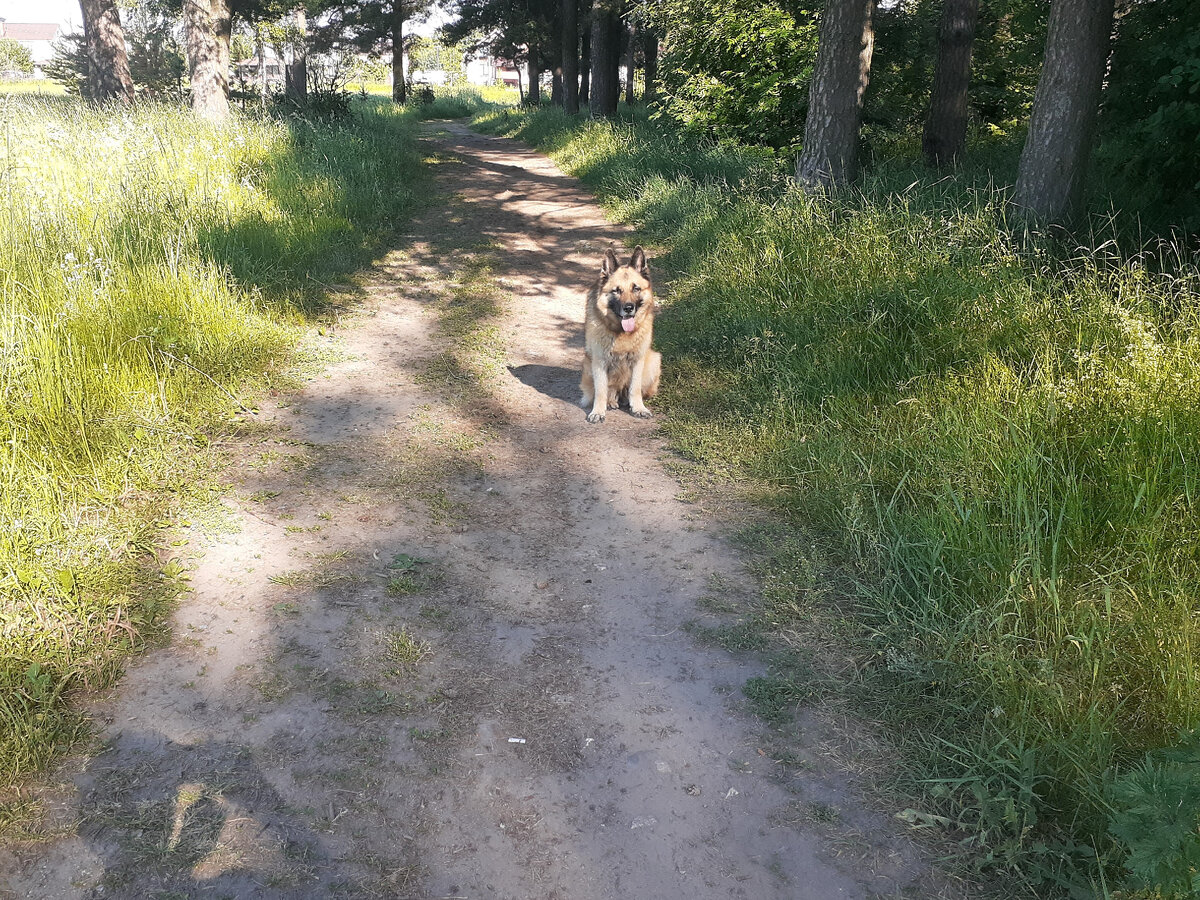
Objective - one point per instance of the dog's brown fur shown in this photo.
(619, 365)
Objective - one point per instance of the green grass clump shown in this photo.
(997, 448)
(151, 268)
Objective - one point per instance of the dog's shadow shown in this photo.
(556, 382)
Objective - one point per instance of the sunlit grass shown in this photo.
(33, 86)
(995, 450)
(153, 270)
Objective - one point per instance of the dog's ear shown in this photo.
(638, 261)
(610, 263)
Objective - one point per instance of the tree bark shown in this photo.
(223, 28)
(556, 87)
(533, 95)
(296, 82)
(399, 82)
(945, 136)
(570, 55)
(845, 39)
(1054, 160)
(108, 72)
(630, 63)
(650, 51)
(260, 46)
(210, 82)
(606, 58)
(585, 67)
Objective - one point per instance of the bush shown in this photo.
(15, 58)
(1151, 113)
(1156, 815)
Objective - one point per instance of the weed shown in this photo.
(405, 651)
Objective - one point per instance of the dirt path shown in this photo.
(442, 651)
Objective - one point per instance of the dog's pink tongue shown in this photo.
(628, 324)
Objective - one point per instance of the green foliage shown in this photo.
(1005, 65)
(432, 55)
(1156, 815)
(15, 58)
(1007, 59)
(994, 449)
(156, 60)
(69, 65)
(153, 267)
(1151, 113)
(737, 70)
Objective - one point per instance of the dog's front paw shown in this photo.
(595, 418)
(642, 413)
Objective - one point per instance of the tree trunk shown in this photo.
(585, 67)
(829, 156)
(945, 136)
(630, 63)
(1054, 161)
(650, 51)
(223, 28)
(556, 87)
(399, 83)
(108, 69)
(296, 82)
(533, 95)
(260, 46)
(210, 82)
(606, 59)
(570, 55)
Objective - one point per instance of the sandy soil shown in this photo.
(442, 653)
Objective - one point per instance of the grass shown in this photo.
(155, 272)
(33, 86)
(988, 447)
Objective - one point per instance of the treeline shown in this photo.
(823, 79)
(101, 66)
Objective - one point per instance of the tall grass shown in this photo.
(997, 448)
(151, 267)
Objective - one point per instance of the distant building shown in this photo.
(248, 73)
(38, 37)
(490, 70)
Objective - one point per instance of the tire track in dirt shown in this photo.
(433, 554)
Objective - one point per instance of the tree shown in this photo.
(569, 29)
(208, 27)
(606, 57)
(296, 73)
(370, 26)
(650, 54)
(585, 65)
(15, 58)
(829, 155)
(504, 29)
(945, 135)
(1054, 160)
(1150, 115)
(630, 33)
(156, 59)
(736, 70)
(109, 71)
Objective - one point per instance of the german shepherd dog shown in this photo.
(619, 367)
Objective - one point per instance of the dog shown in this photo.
(619, 368)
